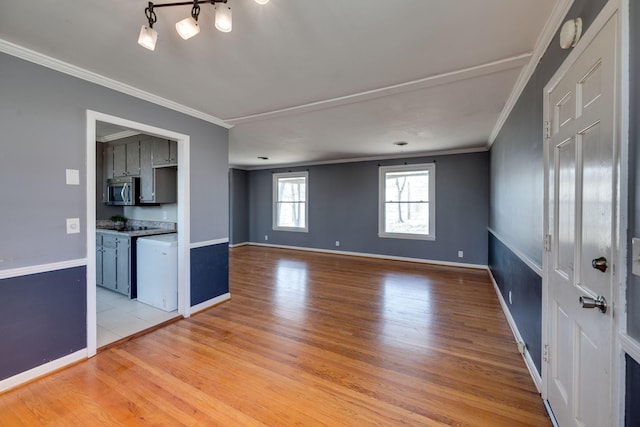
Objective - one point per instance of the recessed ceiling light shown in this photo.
(401, 143)
(263, 158)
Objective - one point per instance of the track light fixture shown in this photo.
(188, 27)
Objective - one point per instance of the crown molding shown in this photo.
(424, 83)
(544, 39)
(365, 159)
(90, 76)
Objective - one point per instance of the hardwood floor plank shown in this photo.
(307, 339)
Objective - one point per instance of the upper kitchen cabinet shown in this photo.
(165, 153)
(157, 184)
(122, 160)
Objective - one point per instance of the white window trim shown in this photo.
(274, 201)
(383, 170)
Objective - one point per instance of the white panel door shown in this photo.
(582, 179)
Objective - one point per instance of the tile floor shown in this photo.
(119, 317)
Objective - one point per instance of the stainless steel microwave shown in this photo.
(123, 191)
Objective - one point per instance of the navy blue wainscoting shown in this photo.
(209, 272)
(43, 317)
(632, 412)
(512, 274)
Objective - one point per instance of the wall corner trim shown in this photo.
(42, 370)
(630, 346)
(42, 268)
(90, 76)
(530, 263)
(533, 371)
(546, 36)
(210, 303)
(205, 243)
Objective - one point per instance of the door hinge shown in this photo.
(547, 242)
(545, 353)
(547, 129)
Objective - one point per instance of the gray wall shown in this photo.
(516, 155)
(343, 205)
(43, 122)
(239, 206)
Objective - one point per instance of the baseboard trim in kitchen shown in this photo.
(42, 268)
(42, 370)
(210, 303)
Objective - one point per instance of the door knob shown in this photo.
(600, 264)
(600, 302)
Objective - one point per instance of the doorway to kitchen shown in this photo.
(131, 228)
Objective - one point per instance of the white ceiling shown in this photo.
(308, 80)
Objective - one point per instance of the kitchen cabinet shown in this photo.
(113, 263)
(165, 152)
(122, 160)
(157, 184)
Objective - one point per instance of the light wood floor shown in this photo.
(307, 339)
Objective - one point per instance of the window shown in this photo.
(407, 201)
(290, 202)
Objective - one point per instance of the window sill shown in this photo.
(406, 236)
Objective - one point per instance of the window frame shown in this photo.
(382, 173)
(274, 201)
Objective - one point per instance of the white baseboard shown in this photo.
(210, 303)
(237, 245)
(533, 371)
(42, 370)
(377, 256)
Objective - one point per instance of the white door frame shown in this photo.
(184, 263)
(620, 237)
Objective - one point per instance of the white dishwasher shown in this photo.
(157, 260)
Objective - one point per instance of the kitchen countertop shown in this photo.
(136, 233)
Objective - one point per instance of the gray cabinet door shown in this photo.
(119, 160)
(165, 152)
(133, 158)
(146, 171)
(122, 268)
(108, 162)
(98, 259)
(173, 153)
(109, 277)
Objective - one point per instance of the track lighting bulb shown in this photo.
(223, 17)
(187, 28)
(148, 37)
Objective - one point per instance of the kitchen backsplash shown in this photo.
(167, 212)
(164, 225)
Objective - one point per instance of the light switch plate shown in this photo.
(73, 225)
(73, 177)
(635, 256)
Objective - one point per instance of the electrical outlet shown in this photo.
(460, 254)
(73, 225)
(266, 237)
(510, 300)
(337, 242)
(165, 215)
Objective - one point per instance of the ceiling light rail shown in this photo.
(187, 27)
